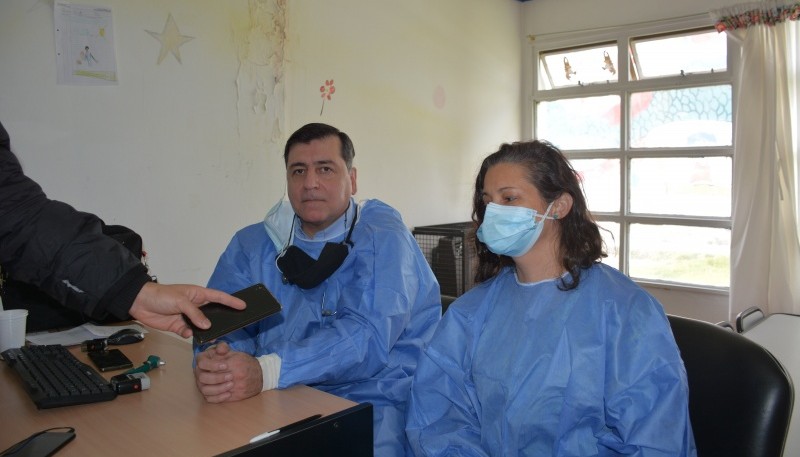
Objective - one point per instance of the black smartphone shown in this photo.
(110, 360)
(41, 444)
(260, 304)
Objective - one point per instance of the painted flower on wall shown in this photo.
(325, 92)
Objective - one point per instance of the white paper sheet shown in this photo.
(84, 44)
(78, 335)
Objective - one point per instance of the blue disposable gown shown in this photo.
(528, 369)
(381, 306)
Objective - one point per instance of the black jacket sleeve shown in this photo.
(60, 250)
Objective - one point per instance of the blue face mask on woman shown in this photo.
(511, 230)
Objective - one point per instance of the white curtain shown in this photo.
(765, 243)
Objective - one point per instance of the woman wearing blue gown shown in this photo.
(553, 353)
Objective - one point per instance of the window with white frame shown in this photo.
(646, 117)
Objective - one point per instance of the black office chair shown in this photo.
(446, 300)
(740, 396)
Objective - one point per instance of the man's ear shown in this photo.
(562, 206)
(352, 172)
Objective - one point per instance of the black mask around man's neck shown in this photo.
(301, 269)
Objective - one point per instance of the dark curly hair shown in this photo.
(581, 244)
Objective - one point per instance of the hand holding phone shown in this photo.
(224, 319)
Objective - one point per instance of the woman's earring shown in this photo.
(555, 216)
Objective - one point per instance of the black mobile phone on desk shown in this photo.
(110, 360)
(42, 444)
(224, 319)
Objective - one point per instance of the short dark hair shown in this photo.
(317, 131)
(581, 244)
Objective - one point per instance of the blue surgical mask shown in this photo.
(511, 230)
(278, 223)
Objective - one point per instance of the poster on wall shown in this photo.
(84, 45)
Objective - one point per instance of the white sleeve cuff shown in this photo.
(270, 370)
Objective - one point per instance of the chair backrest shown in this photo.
(740, 396)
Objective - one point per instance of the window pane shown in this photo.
(698, 116)
(578, 66)
(580, 123)
(610, 233)
(681, 186)
(694, 255)
(600, 179)
(700, 52)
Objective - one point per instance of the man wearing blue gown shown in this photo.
(359, 299)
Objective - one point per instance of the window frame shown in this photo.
(623, 87)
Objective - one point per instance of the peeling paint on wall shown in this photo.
(261, 45)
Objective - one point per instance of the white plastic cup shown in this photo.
(12, 328)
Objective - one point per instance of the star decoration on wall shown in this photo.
(171, 39)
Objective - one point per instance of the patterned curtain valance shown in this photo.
(752, 14)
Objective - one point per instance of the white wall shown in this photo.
(554, 16)
(187, 153)
(425, 88)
